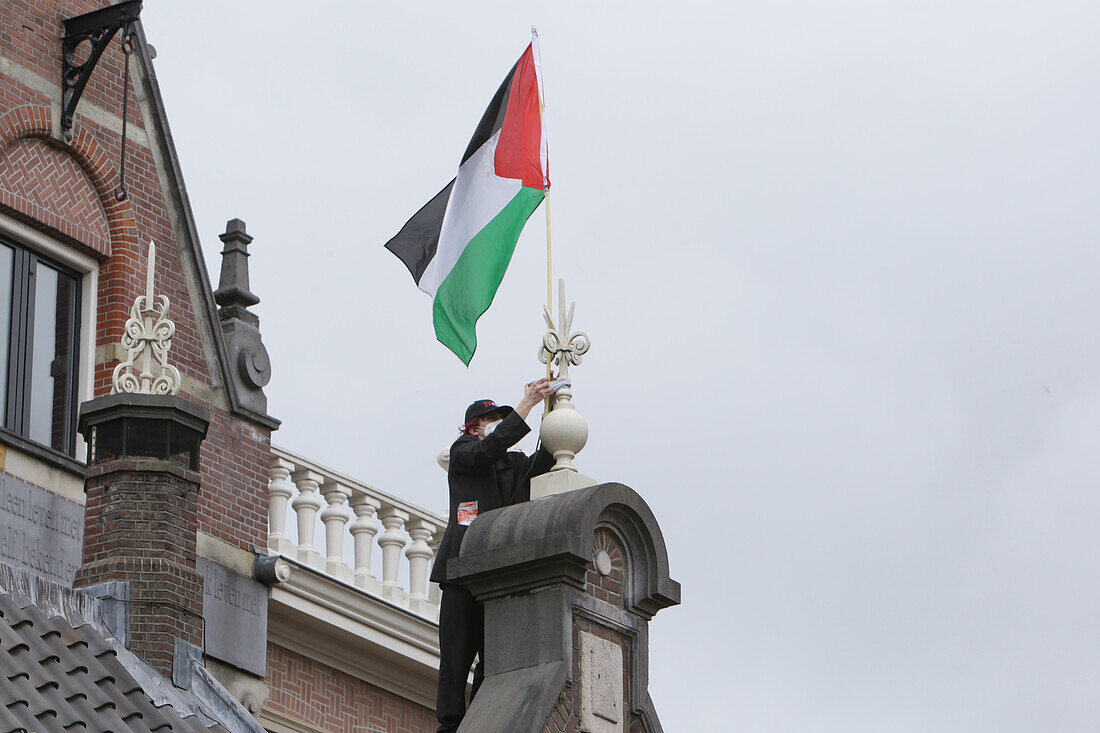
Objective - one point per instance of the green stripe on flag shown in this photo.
(469, 288)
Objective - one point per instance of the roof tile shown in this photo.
(57, 677)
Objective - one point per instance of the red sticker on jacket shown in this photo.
(467, 512)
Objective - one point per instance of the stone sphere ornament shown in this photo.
(564, 432)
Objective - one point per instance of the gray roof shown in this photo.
(61, 672)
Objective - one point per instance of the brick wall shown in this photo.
(46, 185)
(139, 527)
(235, 459)
(67, 190)
(333, 701)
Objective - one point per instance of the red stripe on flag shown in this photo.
(517, 154)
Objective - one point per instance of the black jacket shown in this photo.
(485, 471)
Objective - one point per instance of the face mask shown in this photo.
(488, 429)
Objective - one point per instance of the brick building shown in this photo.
(163, 566)
(74, 235)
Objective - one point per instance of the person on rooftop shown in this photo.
(482, 475)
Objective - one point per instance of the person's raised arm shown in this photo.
(468, 454)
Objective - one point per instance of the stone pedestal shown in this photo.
(141, 515)
(569, 584)
(558, 482)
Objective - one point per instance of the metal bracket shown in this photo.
(97, 28)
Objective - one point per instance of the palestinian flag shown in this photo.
(459, 244)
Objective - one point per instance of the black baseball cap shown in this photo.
(484, 407)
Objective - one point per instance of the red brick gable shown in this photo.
(67, 190)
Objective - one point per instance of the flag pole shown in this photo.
(546, 193)
(549, 271)
(549, 297)
(545, 183)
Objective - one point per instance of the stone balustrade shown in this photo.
(353, 516)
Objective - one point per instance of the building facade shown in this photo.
(316, 613)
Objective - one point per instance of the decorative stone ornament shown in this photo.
(558, 345)
(240, 326)
(147, 337)
(564, 431)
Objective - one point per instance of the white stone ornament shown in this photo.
(147, 337)
(558, 345)
(564, 432)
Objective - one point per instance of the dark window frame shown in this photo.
(15, 417)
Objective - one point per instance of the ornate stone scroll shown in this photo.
(147, 337)
(559, 346)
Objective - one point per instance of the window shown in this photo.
(39, 332)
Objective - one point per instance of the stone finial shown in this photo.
(147, 337)
(564, 432)
(233, 294)
(240, 326)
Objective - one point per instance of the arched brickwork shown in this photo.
(607, 582)
(45, 185)
(30, 125)
(30, 122)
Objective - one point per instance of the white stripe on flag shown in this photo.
(479, 194)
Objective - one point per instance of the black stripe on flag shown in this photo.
(416, 243)
(493, 118)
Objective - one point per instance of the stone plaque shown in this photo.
(40, 531)
(234, 609)
(601, 708)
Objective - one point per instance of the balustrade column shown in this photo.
(392, 540)
(363, 530)
(279, 492)
(306, 505)
(419, 553)
(335, 516)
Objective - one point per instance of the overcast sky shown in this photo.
(838, 262)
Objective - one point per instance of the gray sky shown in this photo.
(838, 262)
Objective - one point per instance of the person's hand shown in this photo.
(536, 392)
(533, 394)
